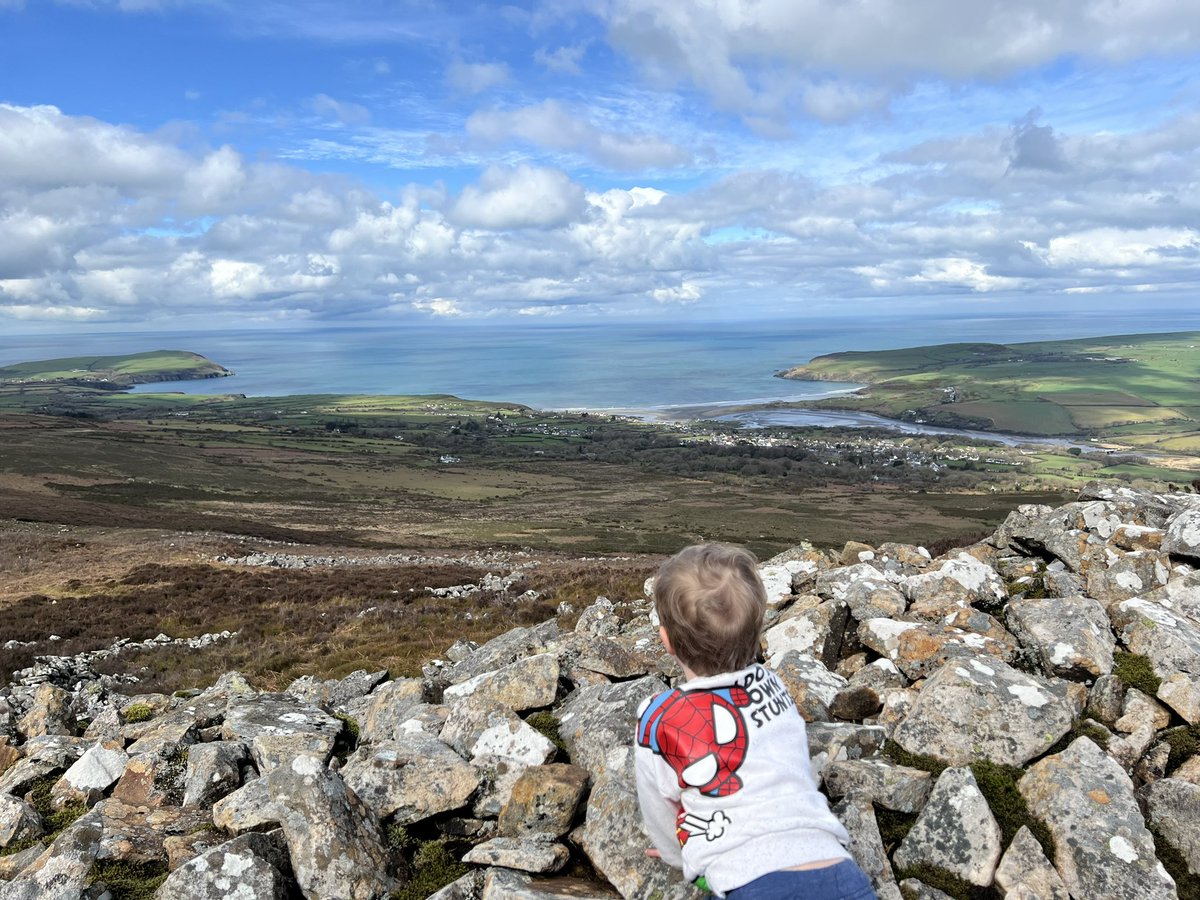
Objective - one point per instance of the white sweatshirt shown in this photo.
(725, 783)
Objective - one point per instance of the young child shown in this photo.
(723, 773)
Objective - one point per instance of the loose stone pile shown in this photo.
(1020, 717)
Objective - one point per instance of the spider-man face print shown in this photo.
(701, 735)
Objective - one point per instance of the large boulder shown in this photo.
(1103, 848)
(955, 831)
(1071, 636)
(972, 709)
(595, 720)
(410, 779)
(249, 867)
(334, 840)
(1171, 642)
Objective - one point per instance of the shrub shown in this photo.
(138, 712)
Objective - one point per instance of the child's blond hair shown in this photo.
(711, 601)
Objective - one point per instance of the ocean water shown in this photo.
(643, 367)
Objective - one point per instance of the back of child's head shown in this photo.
(711, 601)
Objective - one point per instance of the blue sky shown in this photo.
(205, 163)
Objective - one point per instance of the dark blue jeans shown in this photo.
(844, 881)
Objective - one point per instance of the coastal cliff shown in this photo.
(1016, 718)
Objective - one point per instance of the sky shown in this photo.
(260, 163)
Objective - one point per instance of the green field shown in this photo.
(114, 371)
(1140, 390)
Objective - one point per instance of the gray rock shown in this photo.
(334, 840)
(469, 887)
(528, 854)
(335, 695)
(49, 714)
(18, 821)
(866, 845)
(136, 833)
(43, 755)
(833, 584)
(886, 784)
(213, 770)
(525, 684)
(544, 801)
(599, 619)
(1183, 534)
(1122, 575)
(249, 808)
(506, 884)
(959, 582)
(1071, 635)
(165, 735)
(1106, 699)
(502, 650)
(874, 598)
(278, 729)
(817, 631)
(90, 775)
(1172, 644)
(978, 709)
(62, 870)
(613, 839)
(1173, 808)
(594, 720)
(1024, 872)
(956, 831)
(387, 707)
(410, 779)
(1103, 847)
(249, 867)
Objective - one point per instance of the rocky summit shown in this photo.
(1016, 719)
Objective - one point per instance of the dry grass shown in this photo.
(292, 622)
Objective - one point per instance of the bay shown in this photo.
(628, 367)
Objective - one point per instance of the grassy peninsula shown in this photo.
(113, 372)
(1139, 390)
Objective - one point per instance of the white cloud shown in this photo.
(1122, 248)
(551, 125)
(523, 197)
(439, 306)
(688, 292)
(752, 58)
(565, 59)
(340, 111)
(475, 78)
(958, 272)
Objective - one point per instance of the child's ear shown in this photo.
(666, 641)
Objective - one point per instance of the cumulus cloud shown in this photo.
(551, 125)
(1036, 146)
(475, 78)
(565, 59)
(523, 197)
(744, 54)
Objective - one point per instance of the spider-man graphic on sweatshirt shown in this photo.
(725, 783)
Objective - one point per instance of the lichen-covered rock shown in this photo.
(151, 780)
(1170, 641)
(335, 695)
(18, 821)
(528, 854)
(213, 770)
(955, 831)
(525, 684)
(595, 719)
(49, 714)
(1183, 534)
(874, 598)
(278, 730)
(926, 646)
(1173, 809)
(61, 871)
(1024, 872)
(164, 736)
(504, 749)
(866, 845)
(506, 884)
(136, 833)
(410, 779)
(807, 680)
(90, 775)
(249, 867)
(544, 801)
(971, 709)
(249, 808)
(387, 707)
(1123, 575)
(817, 631)
(43, 755)
(959, 582)
(502, 650)
(1071, 635)
(334, 840)
(613, 839)
(1103, 847)
(886, 784)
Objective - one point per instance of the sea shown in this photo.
(653, 369)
